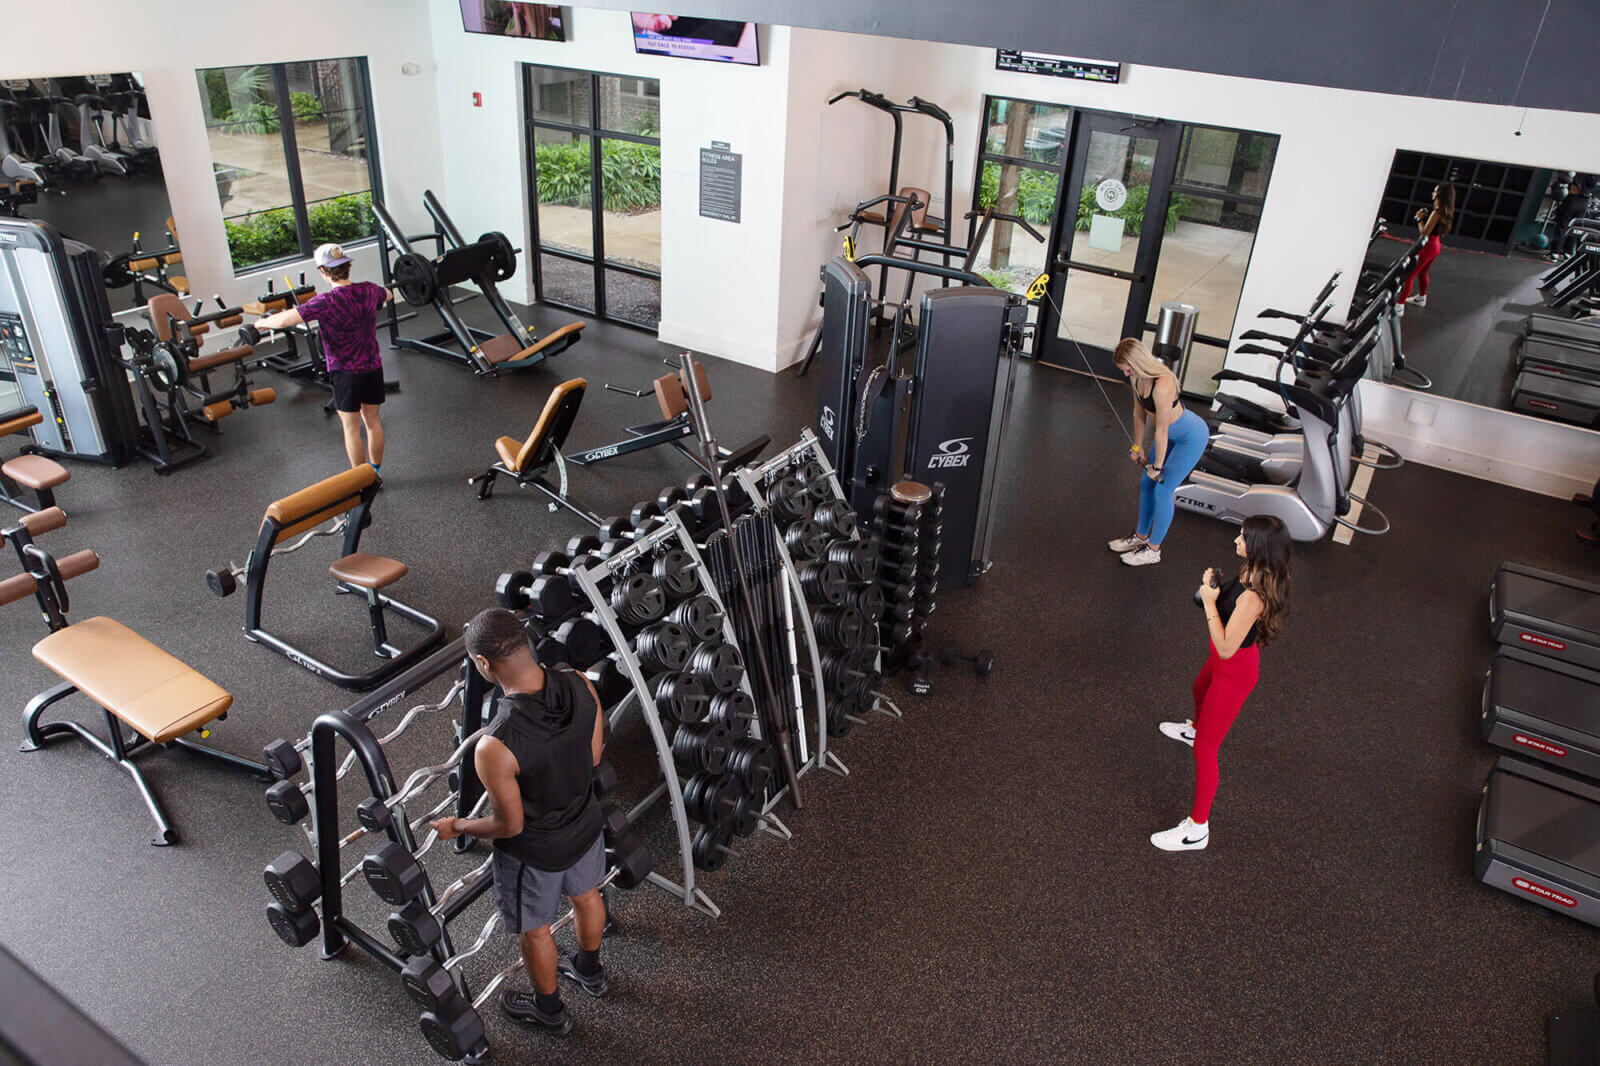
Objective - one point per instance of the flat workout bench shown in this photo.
(136, 684)
(35, 473)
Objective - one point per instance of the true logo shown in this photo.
(954, 452)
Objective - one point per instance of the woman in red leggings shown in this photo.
(1242, 614)
(1432, 224)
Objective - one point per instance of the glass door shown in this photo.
(595, 147)
(1103, 269)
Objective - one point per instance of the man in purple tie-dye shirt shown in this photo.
(347, 321)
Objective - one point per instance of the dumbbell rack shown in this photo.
(670, 534)
(757, 482)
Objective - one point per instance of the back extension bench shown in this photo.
(348, 494)
(138, 686)
(671, 429)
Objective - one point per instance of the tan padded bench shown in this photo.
(155, 694)
(516, 453)
(670, 397)
(34, 472)
(368, 571)
(506, 349)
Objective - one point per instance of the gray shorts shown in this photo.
(530, 897)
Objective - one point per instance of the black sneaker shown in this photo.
(594, 983)
(524, 1007)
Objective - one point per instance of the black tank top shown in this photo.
(1227, 600)
(551, 733)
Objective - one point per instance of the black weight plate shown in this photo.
(869, 601)
(700, 616)
(676, 571)
(719, 666)
(805, 540)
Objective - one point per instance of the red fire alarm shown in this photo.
(477, 99)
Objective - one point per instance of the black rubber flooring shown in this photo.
(979, 889)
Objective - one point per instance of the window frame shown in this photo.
(291, 156)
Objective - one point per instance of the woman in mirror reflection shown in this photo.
(1433, 222)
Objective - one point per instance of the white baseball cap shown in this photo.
(328, 256)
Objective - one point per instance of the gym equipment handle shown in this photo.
(1063, 263)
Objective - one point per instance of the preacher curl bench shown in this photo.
(137, 685)
(350, 495)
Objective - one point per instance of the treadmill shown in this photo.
(1547, 392)
(1539, 838)
(1546, 613)
(1543, 709)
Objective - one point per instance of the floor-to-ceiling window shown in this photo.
(595, 150)
(1020, 160)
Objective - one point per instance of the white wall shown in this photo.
(719, 279)
(168, 40)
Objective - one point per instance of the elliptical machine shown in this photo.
(91, 138)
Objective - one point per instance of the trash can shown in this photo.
(1175, 334)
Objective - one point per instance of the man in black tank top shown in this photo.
(537, 765)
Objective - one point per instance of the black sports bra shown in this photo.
(1149, 402)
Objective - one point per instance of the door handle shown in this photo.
(1063, 263)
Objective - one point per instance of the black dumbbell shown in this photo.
(892, 528)
(642, 510)
(897, 591)
(585, 642)
(982, 662)
(293, 881)
(287, 801)
(605, 779)
(900, 569)
(671, 496)
(614, 823)
(296, 929)
(887, 507)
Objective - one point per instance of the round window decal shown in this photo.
(1110, 194)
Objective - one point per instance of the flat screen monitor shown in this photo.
(504, 18)
(722, 40)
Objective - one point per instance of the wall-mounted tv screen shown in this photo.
(722, 40)
(502, 18)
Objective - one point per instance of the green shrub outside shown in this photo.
(271, 234)
(1036, 193)
(630, 175)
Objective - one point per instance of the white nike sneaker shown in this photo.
(1144, 556)
(1400, 311)
(1418, 300)
(1181, 731)
(1125, 544)
(1185, 836)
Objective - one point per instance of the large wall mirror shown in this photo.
(80, 153)
(1502, 308)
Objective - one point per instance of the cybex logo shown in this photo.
(1541, 745)
(953, 452)
(827, 421)
(296, 657)
(1550, 894)
(1543, 642)
(600, 453)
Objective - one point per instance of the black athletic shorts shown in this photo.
(351, 389)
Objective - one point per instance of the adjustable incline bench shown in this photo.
(529, 461)
(136, 684)
(35, 473)
(355, 572)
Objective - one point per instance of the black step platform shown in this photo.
(1547, 613)
(1544, 709)
(1539, 838)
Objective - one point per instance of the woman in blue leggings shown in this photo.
(1179, 438)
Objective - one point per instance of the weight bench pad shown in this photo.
(35, 472)
(368, 571)
(154, 693)
(18, 421)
